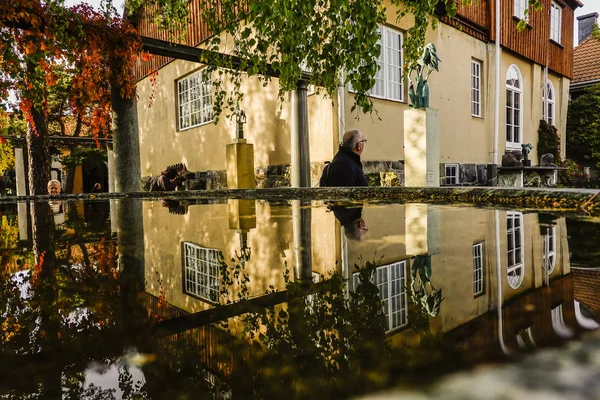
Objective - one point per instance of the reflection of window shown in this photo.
(451, 174)
(475, 88)
(520, 7)
(558, 323)
(195, 100)
(514, 92)
(391, 282)
(549, 249)
(478, 269)
(555, 22)
(514, 240)
(525, 339)
(310, 299)
(201, 272)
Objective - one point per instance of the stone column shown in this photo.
(302, 217)
(421, 148)
(299, 132)
(126, 143)
(20, 172)
(111, 170)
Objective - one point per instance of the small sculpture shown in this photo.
(526, 149)
(547, 160)
(512, 159)
(419, 90)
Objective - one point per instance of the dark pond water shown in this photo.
(250, 299)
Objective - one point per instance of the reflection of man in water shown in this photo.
(54, 187)
(355, 227)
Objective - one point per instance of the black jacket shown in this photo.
(345, 170)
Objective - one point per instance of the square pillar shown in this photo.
(240, 165)
(421, 148)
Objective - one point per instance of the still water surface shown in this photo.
(250, 299)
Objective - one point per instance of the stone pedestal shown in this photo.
(241, 214)
(240, 165)
(421, 148)
(422, 229)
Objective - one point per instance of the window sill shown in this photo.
(527, 24)
(477, 116)
(557, 44)
(195, 126)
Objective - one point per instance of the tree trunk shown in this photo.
(37, 149)
(126, 143)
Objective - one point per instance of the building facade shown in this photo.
(535, 73)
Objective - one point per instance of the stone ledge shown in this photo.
(578, 201)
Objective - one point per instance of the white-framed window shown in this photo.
(555, 22)
(195, 106)
(549, 249)
(389, 84)
(476, 88)
(515, 242)
(520, 6)
(477, 269)
(514, 110)
(391, 281)
(201, 272)
(548, 101)
(452, 177)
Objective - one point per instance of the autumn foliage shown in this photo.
(99, 48)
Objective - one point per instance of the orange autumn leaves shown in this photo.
(99, 50)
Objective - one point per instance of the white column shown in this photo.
(20, 172)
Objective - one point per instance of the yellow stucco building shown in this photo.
(535, 68)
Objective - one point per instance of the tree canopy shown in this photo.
(583, 125)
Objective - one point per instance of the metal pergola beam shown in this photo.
(194, 54)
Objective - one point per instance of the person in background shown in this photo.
(54, 187)
(346, 168)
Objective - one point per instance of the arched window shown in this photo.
(514, 244)
(548, 106)
(514, 110)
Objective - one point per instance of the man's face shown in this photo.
(360, 146)
(54, 189)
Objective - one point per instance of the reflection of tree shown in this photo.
(62, 316)
(430, 300)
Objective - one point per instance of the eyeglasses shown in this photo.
(362, 141)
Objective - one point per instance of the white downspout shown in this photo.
(341, 108)
(497, 85)
(499, 283)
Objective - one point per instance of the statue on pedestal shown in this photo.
(526, 148)
(418, 91)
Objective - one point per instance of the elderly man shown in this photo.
(346, 168)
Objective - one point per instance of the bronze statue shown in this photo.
(418, 91)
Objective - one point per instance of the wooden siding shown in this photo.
(196, 32)
(533, 43)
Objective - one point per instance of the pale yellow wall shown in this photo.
(203, 148)
(463, 138)
(207, 225)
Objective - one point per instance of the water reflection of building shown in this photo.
(466, 251)
(184, 249)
